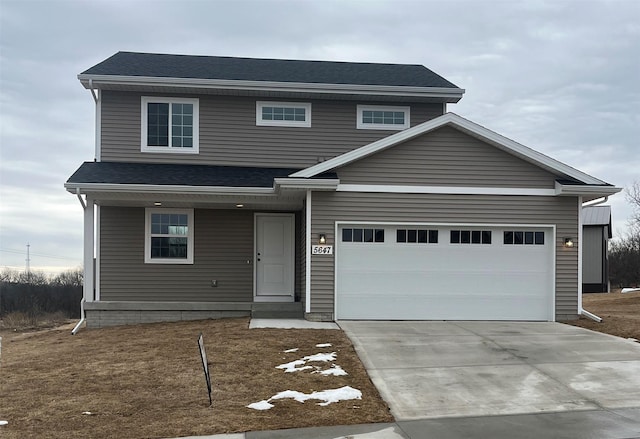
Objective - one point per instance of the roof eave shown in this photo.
(96, 188)
(447, 94)
(591, 191)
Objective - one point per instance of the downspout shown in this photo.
(307, 268)
(581, 310)
(82, 315)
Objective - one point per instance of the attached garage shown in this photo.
(444, 272)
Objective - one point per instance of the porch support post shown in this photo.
(87, 290)
(307, 277)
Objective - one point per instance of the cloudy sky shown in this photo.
(562, 77)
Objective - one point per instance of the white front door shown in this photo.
(274, 267)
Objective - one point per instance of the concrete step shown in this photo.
(277, 310)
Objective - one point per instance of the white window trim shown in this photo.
(147, 237)
(195, 149)
(380, 126)
(283, 123)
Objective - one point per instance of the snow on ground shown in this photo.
(321, 357)
(629, 290)
(293, 366)
(328, 396)
(334, 371)
(3, 422)
(291, 350)
(262, 405)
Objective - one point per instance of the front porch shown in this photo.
(167, 252)
(103, 314)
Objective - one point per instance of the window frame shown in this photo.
(148, 235)
(144, 147)
(283, 123)
(381, 126)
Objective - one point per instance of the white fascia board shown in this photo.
(570, 189)
(447, 190)
(464, 125)
(390, 90)
(166, 189)
(328, 184)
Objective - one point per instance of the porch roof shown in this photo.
(178, 175)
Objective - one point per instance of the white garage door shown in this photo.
(408, 272)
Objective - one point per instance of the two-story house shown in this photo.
(330, 190)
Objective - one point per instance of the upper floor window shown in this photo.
(170, 125)
(375, 117)
(283, 114)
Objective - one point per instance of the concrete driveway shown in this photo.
(429, 370)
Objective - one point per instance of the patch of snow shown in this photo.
(293, 366)
(334, 371)
(262, 405)
(328, 396)
(323, 345)
(87, 413)
(629, 290)
(4, 422)
(291, 350)
(321, 357)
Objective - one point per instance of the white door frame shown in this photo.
(279, 298)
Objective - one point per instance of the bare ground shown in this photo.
(620, 313)
(146, 381)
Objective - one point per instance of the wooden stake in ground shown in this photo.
(205, 366)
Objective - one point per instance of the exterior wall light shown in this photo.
(157, 203)
(322, 239)
(568, 242)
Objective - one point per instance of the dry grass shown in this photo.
(146, 381)
(21, 321)
(620, 313)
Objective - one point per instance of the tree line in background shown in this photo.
(37, 294)
(624, 253)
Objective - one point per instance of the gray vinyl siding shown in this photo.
(223, 245)
(446, 157)
(329, 207)
(592, 255)
(229, 135)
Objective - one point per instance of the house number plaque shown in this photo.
(321, 249)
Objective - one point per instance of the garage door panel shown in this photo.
(444, 281)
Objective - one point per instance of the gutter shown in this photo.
(595, 203)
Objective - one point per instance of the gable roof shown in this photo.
(466, 126)
(132, 68)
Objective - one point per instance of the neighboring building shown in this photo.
(596, 233)
(330, 190)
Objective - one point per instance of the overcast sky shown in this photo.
(562, 77)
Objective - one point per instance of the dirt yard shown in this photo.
(147, 381)
(620, 313)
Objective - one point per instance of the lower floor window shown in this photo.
(169, 236)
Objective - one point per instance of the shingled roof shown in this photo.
(133, 64)
(178, 175)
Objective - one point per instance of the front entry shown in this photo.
(274, 267)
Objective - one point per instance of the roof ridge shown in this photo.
(270, 59)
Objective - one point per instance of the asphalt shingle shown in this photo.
(259, 69)
(181, 175)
